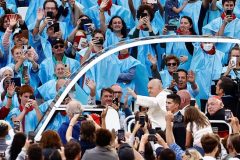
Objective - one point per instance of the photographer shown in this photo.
(144, 28)
(185, 80)
(87, 139)
(115, 30)
(46, 17)
(9, 91)
(229, 70)
(183, 51)
(95, 45)
(28, 112)
(73, 107)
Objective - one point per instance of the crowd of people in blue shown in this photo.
(176, 86)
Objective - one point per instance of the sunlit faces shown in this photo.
(228, 5)
(172, 66)
(171, 106)
(153, 88)
(7, 73)
(60, 70)
(148, 15)
(71, 2)
(106, 98)
(98, 36)
(235, 53)
(51, 34)
(18, 40)
(182, 80)
(58, 49)
(213, 105)
(24, 98)
(17, 54)
(117, 91)
(6, 23)
(50, 7)
(185, 24)
(219, 91)
(78, 36)
(117, 24)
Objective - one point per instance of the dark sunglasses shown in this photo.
(57, 46)
(119, 92)
(171, 64)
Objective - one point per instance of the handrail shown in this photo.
(124, 45)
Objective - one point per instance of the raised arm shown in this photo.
(70, 127)
(132, 9)
(40, 15)
(178, 10)
(102, 16)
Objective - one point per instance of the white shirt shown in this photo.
(208, 158)
(198, 132)
(157, 108)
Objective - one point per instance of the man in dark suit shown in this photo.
(179, 129)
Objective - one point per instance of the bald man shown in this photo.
(156, 102)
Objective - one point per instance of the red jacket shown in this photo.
(4, 112)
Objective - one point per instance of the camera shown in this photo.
(142, 121)
(31, 135)
(175, 76)
(192, 102)
(56, 27)
(115, 101)
(171, 27)
(83, 22)
(228, 115)
(87, 28)
(32, 97)
(16, 126)
(121, 135)
(16, 81)
(100, 41)
(229, 12)
(82, 118)
(143, 15)
(152, 137)
(50, 15)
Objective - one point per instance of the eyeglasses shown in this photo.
(119, 92)
(171, 64)
(57, 46)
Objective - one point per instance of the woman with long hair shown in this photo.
(116, 29)
(87, 133)
(197, 125)
(182, 50)
(18, 142)
(50, 143)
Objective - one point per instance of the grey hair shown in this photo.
(74, 107)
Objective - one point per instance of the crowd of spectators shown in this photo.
(171, 90)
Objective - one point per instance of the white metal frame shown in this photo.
(223, 122)
(121, 46)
